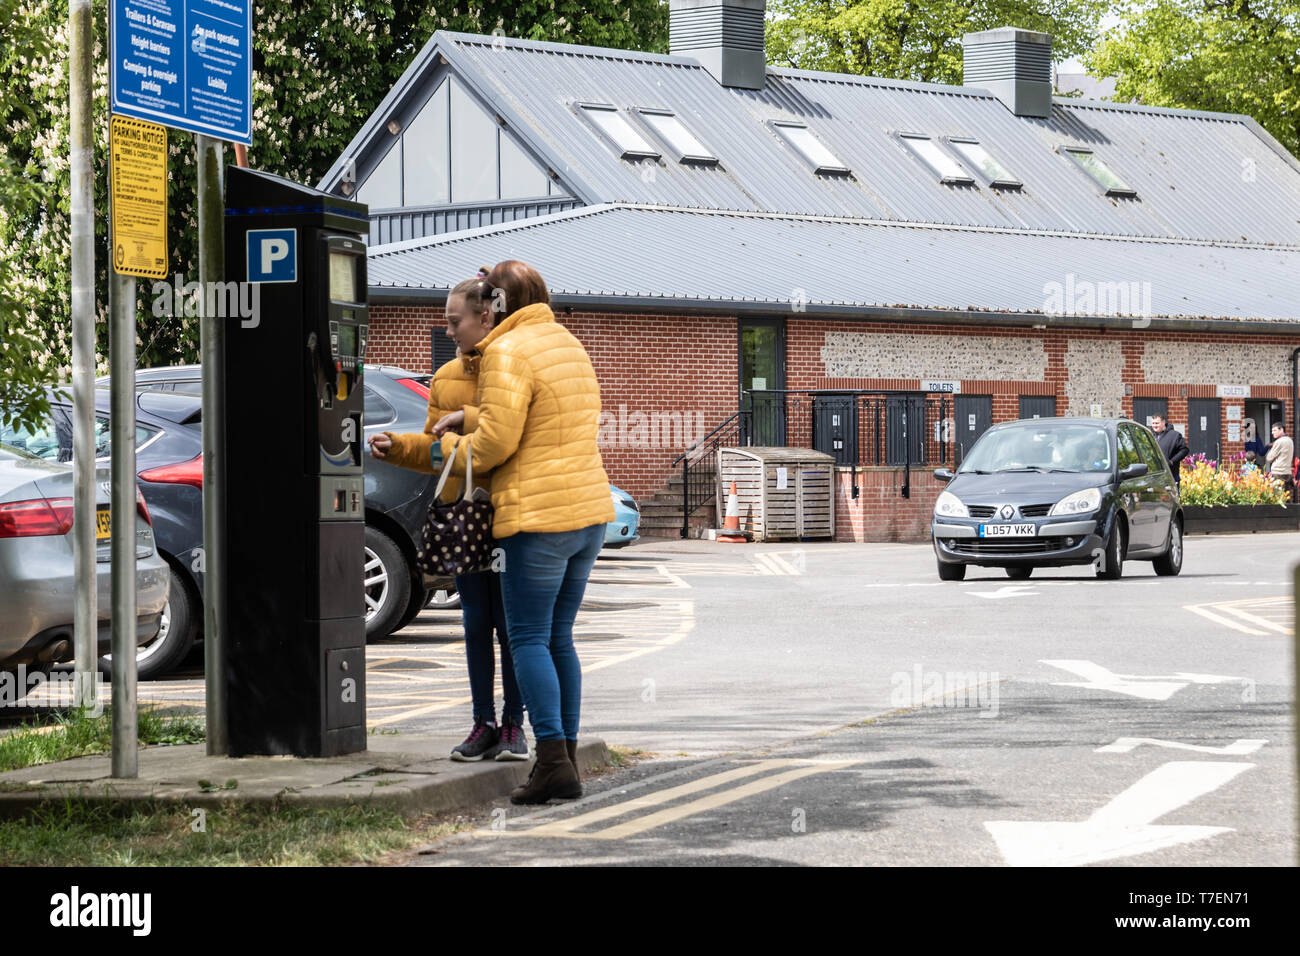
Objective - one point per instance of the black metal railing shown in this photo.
(699, 464)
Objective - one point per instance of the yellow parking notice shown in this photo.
(138, 154)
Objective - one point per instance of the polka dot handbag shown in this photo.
(457, 537)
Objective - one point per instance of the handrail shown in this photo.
(707, 437)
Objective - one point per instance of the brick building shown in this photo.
(838, 257)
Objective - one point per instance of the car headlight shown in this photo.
(949, 506)
(1079, 503)
(625, 501)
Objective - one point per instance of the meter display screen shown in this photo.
(343, 277)
(347, 340)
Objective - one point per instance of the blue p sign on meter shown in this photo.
(272, 255)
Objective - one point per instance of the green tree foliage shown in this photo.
(320, 69)
(1232, 56)
(914, 39)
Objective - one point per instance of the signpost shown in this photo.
(184, 64)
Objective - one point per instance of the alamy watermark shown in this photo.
(922, 688)
(657, 429)
(1077, 296)
(21, 688)
(222, 300)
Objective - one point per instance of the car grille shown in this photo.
(1028, 511)
(1004, 546)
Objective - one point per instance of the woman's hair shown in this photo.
(517, 284)
(477, 291)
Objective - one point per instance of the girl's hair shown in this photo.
(517, 284)
(477, 291)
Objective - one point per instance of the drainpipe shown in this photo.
(1295, 387)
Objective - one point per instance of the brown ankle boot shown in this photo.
(572, 747)
(552, 776)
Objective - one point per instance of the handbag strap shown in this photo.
(469, 469)
(446, 472)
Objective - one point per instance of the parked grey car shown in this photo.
(37, 579)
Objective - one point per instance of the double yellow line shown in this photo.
(569, 828)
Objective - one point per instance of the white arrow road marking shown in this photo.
(1238, 748)
(1155, 687)
(1122, 827)
(1010, 590)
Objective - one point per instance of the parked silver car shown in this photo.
(37, 580)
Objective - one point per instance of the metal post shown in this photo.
(121, 304)
(85, 628)
(212, 268)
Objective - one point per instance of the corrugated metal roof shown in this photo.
(1198, 175)
(682, 256)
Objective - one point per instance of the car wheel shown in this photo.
(175, 637)
(951, 572)
(1171, 562)
(419, 598)
(1113, 561)
(444, 599)
(1020, 572)
(387, 584)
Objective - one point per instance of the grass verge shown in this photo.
(75, 735)
(76, 833)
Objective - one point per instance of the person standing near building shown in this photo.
(1281, 460)
(1172, 444)
(537, 423)
(469, 318)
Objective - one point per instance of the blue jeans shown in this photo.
(545, 576)
(482, 612)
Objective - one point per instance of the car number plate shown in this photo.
(103, 523)
(1008, 530)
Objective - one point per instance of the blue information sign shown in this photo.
(185, 64)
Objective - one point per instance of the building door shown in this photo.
(1203, 427)
(1144, 408)
(904, 429)
(1037, 406)
(762, 379)
(974, 416)
(835, 427)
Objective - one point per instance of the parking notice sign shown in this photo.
(138, 189)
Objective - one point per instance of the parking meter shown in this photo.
(294, 513)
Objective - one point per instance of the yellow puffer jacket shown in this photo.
(453, 388)
(538, 417)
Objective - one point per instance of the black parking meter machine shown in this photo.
(294, 512)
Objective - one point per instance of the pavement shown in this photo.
(412, 775)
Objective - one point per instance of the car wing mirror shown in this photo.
(1136, 470)
(943, 474)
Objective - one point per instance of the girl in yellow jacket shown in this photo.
(453, 390)
(535, 425)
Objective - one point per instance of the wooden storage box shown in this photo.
(783, 493)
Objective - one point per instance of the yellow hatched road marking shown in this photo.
(568, 828)
(1217, 612)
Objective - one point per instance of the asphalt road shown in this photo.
(838, 704)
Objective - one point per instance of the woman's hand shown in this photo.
(452, 422)
(380, 444)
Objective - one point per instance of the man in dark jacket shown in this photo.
(1171, 443)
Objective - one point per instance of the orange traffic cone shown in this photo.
(731, 533)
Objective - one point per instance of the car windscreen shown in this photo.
(1046, 447)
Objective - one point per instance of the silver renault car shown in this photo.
(37, 580)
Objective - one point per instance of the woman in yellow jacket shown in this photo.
(453, 389)
(535, 427)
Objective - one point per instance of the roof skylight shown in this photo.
(618, 131)
(948, 169)
(1101, 174)
(810, 147)
(683, 142)
(978, 158)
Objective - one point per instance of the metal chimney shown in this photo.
(1014, 65)
(725, 36)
